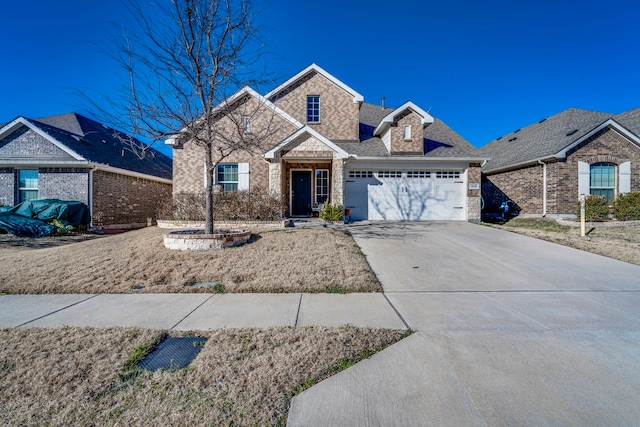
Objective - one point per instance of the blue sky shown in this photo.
(484, 68)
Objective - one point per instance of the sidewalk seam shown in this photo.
(56, 311)
(295, 325)
(191, 312)
(406, 325)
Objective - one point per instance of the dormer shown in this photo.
(402, 129)
(319, 100)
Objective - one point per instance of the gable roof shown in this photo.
(246, 91)
(541, 140)
(306, 129)
(315, 68)
(390, 118)
(92, 142)
(440, 141)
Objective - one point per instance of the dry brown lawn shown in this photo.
(622, 242)
(78, 376)
(281, 260)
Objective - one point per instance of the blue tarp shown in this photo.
(28, 219)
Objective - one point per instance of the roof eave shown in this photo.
(357, 98)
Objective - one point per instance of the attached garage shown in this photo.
(410, 195)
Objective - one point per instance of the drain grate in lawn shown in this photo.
(173, 353)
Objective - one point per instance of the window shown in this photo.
(389, 174)
(27, 184)
(322, 185)
(360, 174)
(448, 174)
(246, 124)
(406, 132)
(603, 180)
(227, 177)
(418, 174)
(313, 109)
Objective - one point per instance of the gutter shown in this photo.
(90, 195)
(544, 187)
(525, 163)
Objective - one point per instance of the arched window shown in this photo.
(603, 180)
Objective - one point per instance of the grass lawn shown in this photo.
(622, 242)
(281, 260)
(83, 376)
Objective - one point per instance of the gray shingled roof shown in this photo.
(96, 143)
(544, 138)
(630, 120)
(439, 139)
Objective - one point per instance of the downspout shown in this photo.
(90, 195)
(544, 187)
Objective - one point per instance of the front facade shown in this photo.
(326, 145)
(71, 157)
(543, 169)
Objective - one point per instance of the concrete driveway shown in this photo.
(510, 331)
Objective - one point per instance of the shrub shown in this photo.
(595, 209)
(626, 207)
(332, 212)
(245, 205)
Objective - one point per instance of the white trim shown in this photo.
(389, 118)
(130, 173)
(22, 121)
(544, 187)
(272, 153)
(610, 122)
(314, 67)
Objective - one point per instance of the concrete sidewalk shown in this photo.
(199, 311)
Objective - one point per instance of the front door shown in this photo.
(300, 192)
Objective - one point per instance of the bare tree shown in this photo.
(183, 59)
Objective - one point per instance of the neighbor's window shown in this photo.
(228, 177)
(27, 184)
(406, 132)
(313, 109)
(246, 124)
(603, 180)
(322, 185)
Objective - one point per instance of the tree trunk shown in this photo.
(209, 191)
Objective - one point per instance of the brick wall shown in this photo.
(121, 199)
(339, 115)
(267, 127)
(399, 145)
(524, 186)
(25, 143)
(64, 184)
(7, 187)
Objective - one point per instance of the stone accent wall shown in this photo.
(275, 178)
(337, 182)
(474, 209)
(7, 187)
(27, 144)
(399, 145)
(121, 199)
(339, 115)
(64, 184)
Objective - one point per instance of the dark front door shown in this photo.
(300, 192)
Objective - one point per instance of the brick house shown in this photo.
(328, 145)
(543, 168)
(71, 157)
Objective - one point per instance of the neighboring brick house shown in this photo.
(543, 168)
(328, 145)
(71, 157)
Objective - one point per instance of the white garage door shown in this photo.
(406, 195)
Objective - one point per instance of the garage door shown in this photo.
(406, 195)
